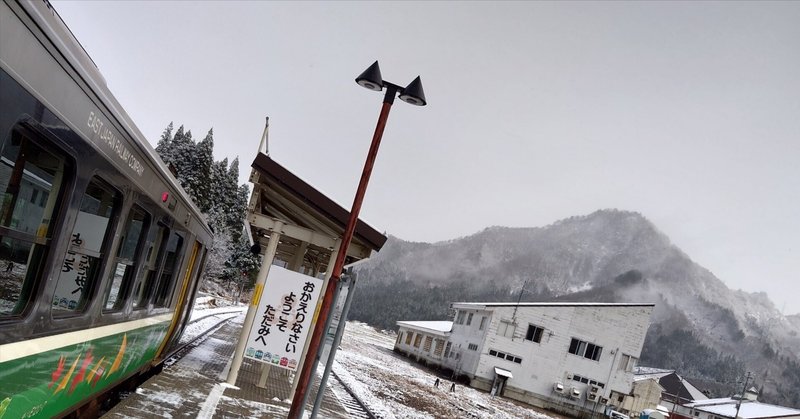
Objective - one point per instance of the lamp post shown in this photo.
(371, 79)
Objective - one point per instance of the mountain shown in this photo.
(700, 327)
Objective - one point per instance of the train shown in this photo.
(101, 250)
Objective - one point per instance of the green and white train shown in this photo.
(100, 248)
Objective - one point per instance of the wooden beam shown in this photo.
(305, 235)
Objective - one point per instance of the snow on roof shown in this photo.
(440, 327)
(726, 407)
(654, 373)
(556, 304)
(642, 377)
(722, 400)
(650, 370)
(502, 372)
(673, 385)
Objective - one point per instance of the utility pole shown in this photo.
(741, 396)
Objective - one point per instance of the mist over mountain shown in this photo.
(700, 327)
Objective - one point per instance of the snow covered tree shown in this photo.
(200, 182)
(164, 147)
(213, 186)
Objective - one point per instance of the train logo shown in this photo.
(293, 363)
(259, 354)
(284, 361)
(250, 351)
(276, 359)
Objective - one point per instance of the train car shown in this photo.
(100, 248)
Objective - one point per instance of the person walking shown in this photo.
(453, 387)
(436, 384)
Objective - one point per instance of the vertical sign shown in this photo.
(280, 327)
(86, 239)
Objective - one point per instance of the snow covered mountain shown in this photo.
(607, 255)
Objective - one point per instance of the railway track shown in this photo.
(355, 407)
(206, 325)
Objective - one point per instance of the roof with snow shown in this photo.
(435, 327)
(678, 387)
(646, 373)
(726, 407)
(553, 304)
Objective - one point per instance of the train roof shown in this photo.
(58, 33)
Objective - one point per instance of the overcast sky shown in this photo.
(686, 112)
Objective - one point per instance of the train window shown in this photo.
(171, 261)
(83, 260)
(31, 181)
(122, 274)
(144, 289)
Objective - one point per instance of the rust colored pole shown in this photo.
(296, 411)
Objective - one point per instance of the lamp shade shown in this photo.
(371, 78)
(414, 94)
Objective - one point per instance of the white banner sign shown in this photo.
(87, 235)
(280, 327)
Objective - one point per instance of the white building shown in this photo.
(564, 356)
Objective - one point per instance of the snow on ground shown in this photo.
(396, 387)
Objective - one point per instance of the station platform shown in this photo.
(195, 386)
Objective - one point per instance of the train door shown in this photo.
(181, 304)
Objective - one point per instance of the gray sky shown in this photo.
(686, 112)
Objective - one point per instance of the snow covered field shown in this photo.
(396, 387)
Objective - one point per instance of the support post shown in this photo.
(296, 410)
(328, 274)
(335, 345)
(266, 262)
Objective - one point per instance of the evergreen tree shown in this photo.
(182, 158)
(200, 182)
(164, 147)
(213, 186)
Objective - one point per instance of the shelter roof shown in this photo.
(311, 216)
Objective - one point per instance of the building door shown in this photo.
(498, 385)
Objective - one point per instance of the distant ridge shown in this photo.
(700, 328)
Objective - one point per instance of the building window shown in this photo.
(469, 319)
(534, 333)
(585, 349)
(506, 328)
(483, 323)
(417, 340)
(581, 379)
(472, 347)
(447, 350)
(627, 363)
(437, 348)
(507, 357)
(408, 337)
(460, 317)
(427, 346)
(399, 338)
